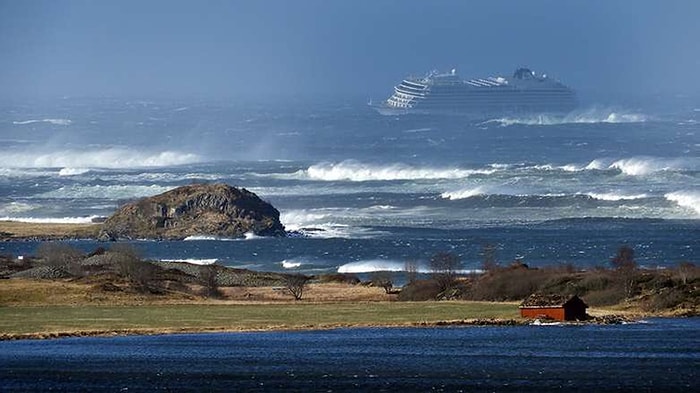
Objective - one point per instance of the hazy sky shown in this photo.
(246, 48)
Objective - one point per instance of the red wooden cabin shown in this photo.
(555, 307)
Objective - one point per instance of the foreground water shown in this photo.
(370, 192)
(658, 355)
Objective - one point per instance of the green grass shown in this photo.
(168, 318)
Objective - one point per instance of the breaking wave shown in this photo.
(611, 196)
(57, 122)
(382, 265)
(72, 171)
(112, 158)
(357, 171)
(15, 208)
(463, 194)
(687, 199)
(592, 116)
(375, 265)
(50, 220)
(193, 261)
(290, 264)
(113, 192)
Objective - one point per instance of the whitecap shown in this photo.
(591, 116)
(290, 264)
(358, 172)
(113, 192)
(464, 193)
(686, 199)
(102, 158)
(612, 196)
(72, 171)
(374, 265)
(193, 261)
(15, 208)
(52, 220)
(57, 122)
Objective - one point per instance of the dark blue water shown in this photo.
(369, 191)
(657, 356)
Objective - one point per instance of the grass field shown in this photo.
(88, 319)
(45, 231)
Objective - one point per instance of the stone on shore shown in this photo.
(194, 210)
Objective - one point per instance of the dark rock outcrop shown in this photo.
(197, 209)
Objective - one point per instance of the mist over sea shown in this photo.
(370, 192)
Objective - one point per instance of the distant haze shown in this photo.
(351, 48)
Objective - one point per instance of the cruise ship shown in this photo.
(446, 93)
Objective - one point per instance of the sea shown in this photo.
(361, 192)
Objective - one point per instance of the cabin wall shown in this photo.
(556, 313)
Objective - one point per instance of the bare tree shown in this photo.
(444, 267)
(129, 264)
(488, 255)
(685, 269)
(295, 284)
(62, 256)
(411, 268)
(382, 279)
(626, 267)
(208, 275)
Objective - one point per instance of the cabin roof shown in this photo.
(538, 300)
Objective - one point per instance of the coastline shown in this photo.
(108, 305)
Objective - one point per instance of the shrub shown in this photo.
(420, 290)
(62, 256)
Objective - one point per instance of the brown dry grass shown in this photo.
(24, 230)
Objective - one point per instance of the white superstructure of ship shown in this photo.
(447, 93)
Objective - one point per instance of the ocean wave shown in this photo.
(207, 238)
(294, 220)
(72, 171)
(611, 196)
(113, 192)
(15, 208)
(112, 158)
(383, 265)
(52, 220)
(641, 166)
(290, 264)
(374, 265)
(193, 261)
(592, 116)
(57, 122)
(358, 172)
(686, 199)
(464, 193)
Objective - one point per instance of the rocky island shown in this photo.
(198, 209)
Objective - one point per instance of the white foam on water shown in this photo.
(193, 261)
(642, 166)
(111, 158)
(686, 199)
(72, 171)
(612, 196)
(57, 122)
(15, 208)
(373, 265)
(464, 193)
(358, 172)
(52, 220)
(296, 219)
(113, 192)
(290, 264)
(591, 116)
(208, 238)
